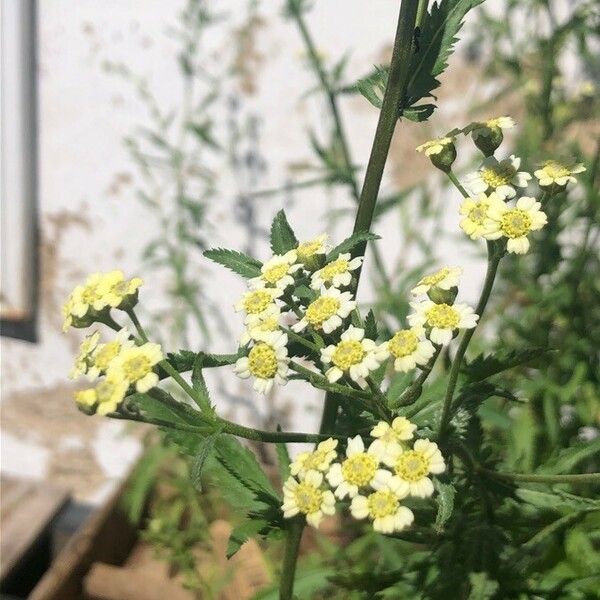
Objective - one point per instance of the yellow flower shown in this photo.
(497, 176)
(389, 438)
(136, 365)
(444, 279)
(337, 273)
(442, 320)
(267, 362)
(556, 173)
(353, 355)
(85, 359)
(106, 396)
(312, 248)
(258, 301)
(408, 349)
(515, 223)
(115, 289)
(307, 497)
(277, 272)
(104, 354)
(475, 212)
(486, 128)
(260, 324)
(327, 312)
(319, 459)
(357, 471)
(435, 146)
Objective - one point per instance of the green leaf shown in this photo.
(370, 326)
(482, 367)
(283, 461)
(243, 532)
(482, 588)
(569, 458)
(184, 360)
(349, 243)
(239, 263)
(556, 500)
(435, 44)
(307, 583)
(445, 501)
(282, 236)
(199, 385)
(372, 87)
(418, 113)
(205, 449)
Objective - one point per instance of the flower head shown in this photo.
(442, 320)
(383, 508)
(106, 396)
(277, 272)
(312, 248)
(319, 459)
(500, 177)
(257, 325)
(475, 219)
(435, 146)
(553, 173)
(358, 470)
(307, 497)
(354, 356)
(446, 278)
(85, 359)
(441, 151)
(390, 436)
(328, 311)
(116, 290)
(136, 365)
(412, 469)
(104, 354)
(515, 223)
(488, 135)
(258, 301)
(408, 349)
(267, 362)
(337, 273)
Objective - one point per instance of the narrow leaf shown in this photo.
(482, 366)
(205, 449)
(445, 500)
(283, 238)
(239, 263)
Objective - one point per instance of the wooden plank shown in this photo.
(26, 513)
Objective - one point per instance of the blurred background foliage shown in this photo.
(489, 539)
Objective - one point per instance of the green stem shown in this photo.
(492, 267)
(290, 559)
(454, 179)
(411, 393)
(292, 335)
(379, 400)
(551, 479)
(273, 437)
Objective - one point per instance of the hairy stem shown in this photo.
(290, 559)
(550, 479)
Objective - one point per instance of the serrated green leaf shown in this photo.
(283, 238)
(484, 366)
(482, 588)
(557, 500)
(569, 458)
(372, 87)
(445, 501)
(243, 532)
(200, 387)
(283, 461)
(239, 263)
(435, 44)
(351, 242)
(184, 360)
(419, 113)
(205, 448)
(371, 326)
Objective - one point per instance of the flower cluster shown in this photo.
(374, 478)
(120, 364)
(487, 211)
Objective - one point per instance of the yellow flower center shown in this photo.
(275, 273)
(501, 174)
(321, 309)
(136, 367)
(359, 469)
(257, 301)
(314, 460)
(308, 498)
(270, 324)
(308, 249)
(262, 361)
(337, 267)
(555, 170)
(105, 353)
(105, 391)
(442, 316)
(515, 223)
(403, 343)
(436, 277)
(348, 353)
(90, 294)
(478, 214)
(383, 504)
(412, 466)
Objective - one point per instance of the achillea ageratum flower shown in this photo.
(104, 354)
(277, 272)
(446, 278)
(328, 311)
(412, 469)
(312, 248)
(408, 349)
(475, 219)
(441, 152)
(488, 135)
(553, 173)
(136, 365)
(357, 471)
(389, 437)
(267, 362)
(319, 459)
(500, 177)
(257, 325)
(84, 359)
(337, 273)
(106, 396)
(354, 356)
(116, 290)
(442, 320)
(383, 508)
(515, 223)
(257, 302)
(307, 497)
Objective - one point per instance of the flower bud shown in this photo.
(441, 152)
(440, 296)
